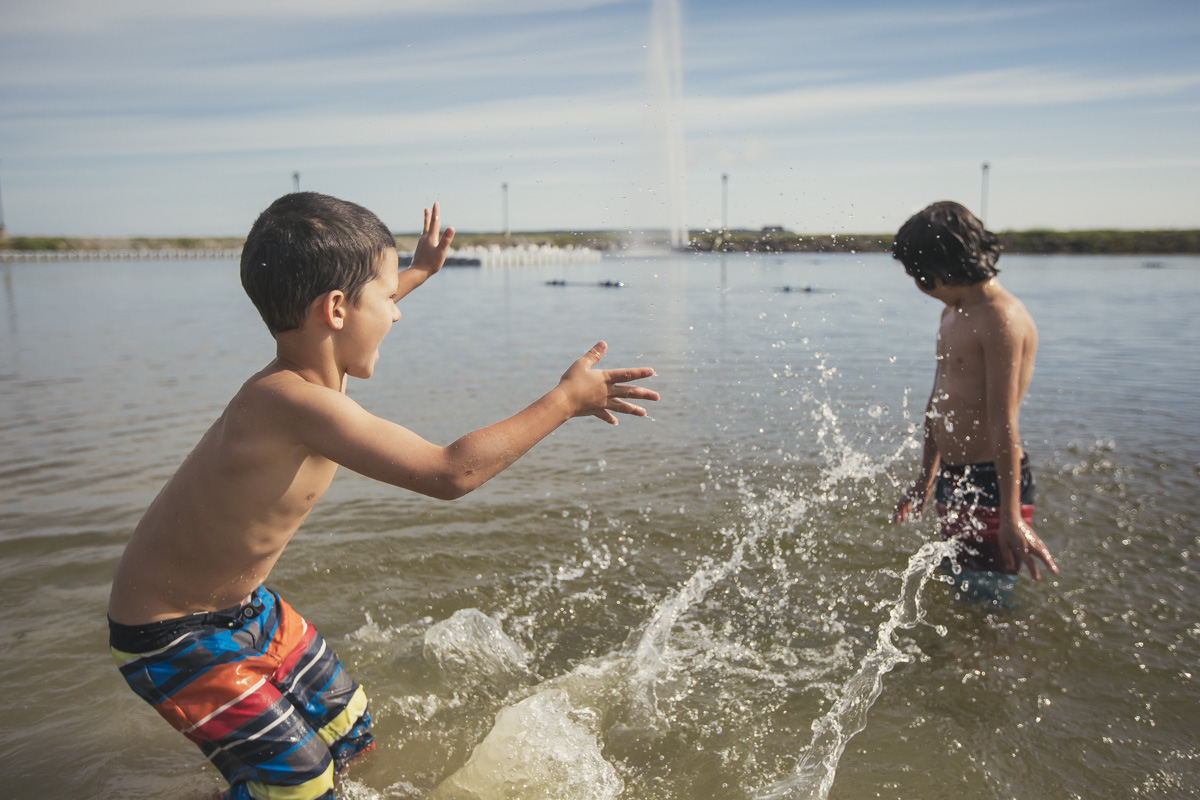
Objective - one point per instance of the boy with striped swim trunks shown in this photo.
(194, 631)
(985, 349)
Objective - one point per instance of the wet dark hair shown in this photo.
(306, 244)
(946, 241)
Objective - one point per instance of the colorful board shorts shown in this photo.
(257, 689)
(968, 502)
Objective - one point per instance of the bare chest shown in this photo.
(960, 363)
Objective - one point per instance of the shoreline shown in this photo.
(1030, 242)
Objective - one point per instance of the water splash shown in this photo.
(543, 747)
(471, 647)
(814, 776)
(550, 735)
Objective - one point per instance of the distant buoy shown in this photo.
(607, 284)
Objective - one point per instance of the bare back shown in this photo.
(216, 529)
(985, 353)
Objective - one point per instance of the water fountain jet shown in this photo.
(666, 92)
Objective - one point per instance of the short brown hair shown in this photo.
(306, 244)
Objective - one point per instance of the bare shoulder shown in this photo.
(284, 406)
(1004, 313)
(275, 390)
(277, 404)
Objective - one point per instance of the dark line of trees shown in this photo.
(772, 240)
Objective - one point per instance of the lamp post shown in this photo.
(504, 208)
(983, 199)
(724, 203)
(295, 181)
(3, 230)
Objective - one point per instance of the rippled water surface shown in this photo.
(709, 603)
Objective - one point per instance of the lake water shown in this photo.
(709, 603)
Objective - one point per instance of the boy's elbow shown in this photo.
(445, 491)
(453, 486)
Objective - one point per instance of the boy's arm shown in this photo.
(429, 255)
(914, 497)
(1019, 543)
(339, 429)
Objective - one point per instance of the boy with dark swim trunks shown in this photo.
(985, 349)
(195, 633)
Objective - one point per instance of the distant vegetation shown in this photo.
(1099, 242)
(45, 243)
(771, 240)
(36, 243)
(1106, 242)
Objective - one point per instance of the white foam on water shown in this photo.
(471, 648)
(543, 748)
(351, 789)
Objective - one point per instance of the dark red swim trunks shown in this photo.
(968, 502)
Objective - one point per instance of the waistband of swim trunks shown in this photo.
(977, 467)
(155, 635)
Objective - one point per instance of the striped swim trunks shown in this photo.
(968, 503)
(257, 689)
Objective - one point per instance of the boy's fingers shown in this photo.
(1037, 548)
(447, 238)
(1011, 559)
(607, 416)
(1044, 554)
(628, 374)
(1033, 570)
(623, 407)
(640, 392)
(425, 222)
(595, 354)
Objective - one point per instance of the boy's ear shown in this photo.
(331, 308)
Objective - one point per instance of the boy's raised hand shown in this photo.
(433, 245)
(599, 393)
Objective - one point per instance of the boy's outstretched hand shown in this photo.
(599, 393)
(432, 247)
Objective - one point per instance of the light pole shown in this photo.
(724, 204)
(504, 208)
(984, 195)
(295, 181)
(3, 230)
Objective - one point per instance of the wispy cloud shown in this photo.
(993, 89)
(26, 16)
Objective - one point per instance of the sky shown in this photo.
(153, 118)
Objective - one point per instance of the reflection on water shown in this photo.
(705, 604)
